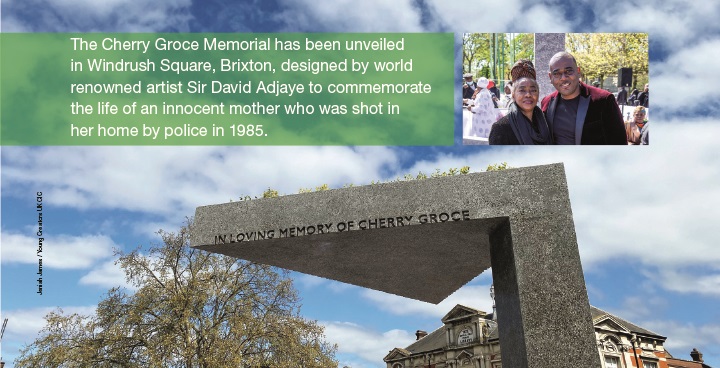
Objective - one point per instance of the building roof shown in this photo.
(682, 363)
(436, 340)
(433, 341)
(459, 312)
(397, 353)
(599, 314)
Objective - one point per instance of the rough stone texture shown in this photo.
(546, 45)
(518, 220)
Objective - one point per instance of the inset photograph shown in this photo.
(554, 88)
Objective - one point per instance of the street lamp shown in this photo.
(492, 295)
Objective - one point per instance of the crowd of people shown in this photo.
(636, 98)
(575, 113)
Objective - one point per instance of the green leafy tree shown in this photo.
(601, 54)
(493, 55)
(522, 46)
(486, 51)
(191, 309)
(475, 48)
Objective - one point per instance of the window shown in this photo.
(649, 365)
(612, 362)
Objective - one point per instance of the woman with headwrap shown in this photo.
(483, 110)
(524, 123)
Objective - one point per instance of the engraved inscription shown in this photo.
(342, 226)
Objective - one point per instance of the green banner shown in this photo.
(227, 89)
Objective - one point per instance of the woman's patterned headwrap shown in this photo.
(522, 69)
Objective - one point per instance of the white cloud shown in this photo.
(489, 16)
(106, 275)
(365, 343)
(684, 76)
(96, 16)
(150, 229)
(542, 18)
(91, 8)
(85, 250)
(171, 181)
(672, 22)
(473, 296)
(501, 16)
(340, 287)
(685, 282)
(308, 281)
(350, 16)
(686, 336)
(639, 307)
(12, 24)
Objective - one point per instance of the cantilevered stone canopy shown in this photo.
(424, 239)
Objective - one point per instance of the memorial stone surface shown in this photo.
(546, 45)
(424, 239)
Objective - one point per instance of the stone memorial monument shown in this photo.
(546, 46)
(424, 239)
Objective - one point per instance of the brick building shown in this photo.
(468, 338)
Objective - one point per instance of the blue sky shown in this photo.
(646, 219)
